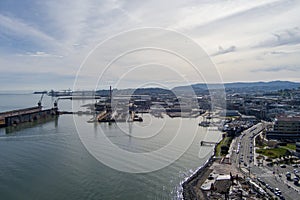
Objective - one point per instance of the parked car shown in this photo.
(288, 175)
(296, 180)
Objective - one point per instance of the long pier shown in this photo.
(205, 143)
(15, 117)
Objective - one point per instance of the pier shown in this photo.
(15, 117)
(205, 143)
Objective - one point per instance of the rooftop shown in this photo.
(288, 119)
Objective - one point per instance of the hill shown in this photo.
(245, 87)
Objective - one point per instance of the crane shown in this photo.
(56, 103)
(40, 101)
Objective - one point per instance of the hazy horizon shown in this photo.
(20, 91)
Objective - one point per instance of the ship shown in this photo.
(137, 118)
(204, 123)
(106, 115)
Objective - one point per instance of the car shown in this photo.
(258, 179)
(279, 192)
(283, 166)
(288, 175)
(295, 165)
(281, 197)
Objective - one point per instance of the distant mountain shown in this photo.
(201, 88)
(261, 86)
(152, 91)
(138, 91)
(274, 85)
(240, 86)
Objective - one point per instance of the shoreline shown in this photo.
(198, 177)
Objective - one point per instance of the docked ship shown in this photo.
(137, 118)
(204, 123)
(106, 114)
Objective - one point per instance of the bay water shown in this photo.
(50, 160)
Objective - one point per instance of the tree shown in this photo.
(224, 149)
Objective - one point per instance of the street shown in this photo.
(243, 157)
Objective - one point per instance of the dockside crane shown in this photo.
(40, 101)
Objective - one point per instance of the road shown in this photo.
(243, 157)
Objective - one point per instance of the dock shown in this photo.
(15, 117)
(206, 143)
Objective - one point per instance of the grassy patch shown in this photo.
(224, 142)
(291, 146)
(273, 153)
(261, 145)
(259, 142)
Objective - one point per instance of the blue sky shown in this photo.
(43, 43)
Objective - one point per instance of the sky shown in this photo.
(47, 44)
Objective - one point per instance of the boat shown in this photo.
(137, 118)
(209, 116)
(204, 123)
(40, 92)
(106, 115)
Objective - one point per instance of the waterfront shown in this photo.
(48, 161)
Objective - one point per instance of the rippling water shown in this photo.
(49, 160)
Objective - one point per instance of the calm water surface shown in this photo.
(49, 161)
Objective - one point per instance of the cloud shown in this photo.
(278, 52)
(56, 36)
(285, 37)
(224, 51)
(17, 29)
(41, 54)
(278, 69)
